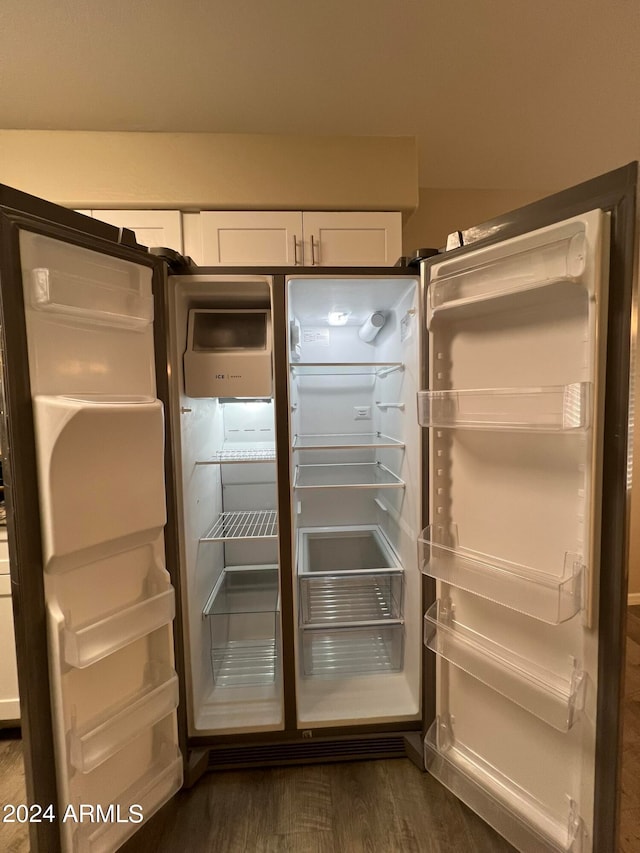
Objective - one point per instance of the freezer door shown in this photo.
(84, 448)
(528, 418)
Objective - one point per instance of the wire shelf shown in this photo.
(244, 524)
(242, 453)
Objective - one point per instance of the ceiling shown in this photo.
(498, 93)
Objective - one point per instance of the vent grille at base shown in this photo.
(305, 752)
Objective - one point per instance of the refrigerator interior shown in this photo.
(517, 335)
(226, 462)
(356, 496)
(109, 601)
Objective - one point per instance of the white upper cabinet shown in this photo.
(151, 227)
(268, 238)
(248, 238)
(352, 239)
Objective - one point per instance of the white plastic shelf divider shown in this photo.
(342, 652)
(244, 524)
(562, 260)
(337, 441)
(556, 408)
(543, 596)
(556, 699)
(150, 792)
(518, 816)
(89, 643)
(356, 475)
(242, 452)
(367, 597)
(95, 742)
(362, 368)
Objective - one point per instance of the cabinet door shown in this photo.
(249, 238)
(352, 239)
(151, 227)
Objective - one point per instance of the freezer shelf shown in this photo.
(150, 792)
(556, 699)
(556, 408)
(363, 598)
(545, 597)
(336, 441)
(236, 452)
(244, 589)
(343, 652)
(244, 524)
(89, 643)
(380, 369)
(518, 816)
(357, 475)
(540, 266)
(101, 738)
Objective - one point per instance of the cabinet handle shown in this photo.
(313, 251)
(295, 251)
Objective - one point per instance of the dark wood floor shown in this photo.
(359, 807)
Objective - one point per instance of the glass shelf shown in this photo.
(363, 368)
(234, 452)
(541, 266)
(348, 599)
(545, 597)
(556, 408)
(100, 738)
(244, 524)
(343, 652)
(556, 699)
(511, 810)
(357, 475)
(337, 441)
(244, 589)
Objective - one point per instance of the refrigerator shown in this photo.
(316, 514)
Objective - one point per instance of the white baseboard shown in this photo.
(634, 598)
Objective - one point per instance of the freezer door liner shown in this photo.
(109, 601)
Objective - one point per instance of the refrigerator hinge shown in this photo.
(455, 240)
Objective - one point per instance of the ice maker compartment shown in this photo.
(228, 353)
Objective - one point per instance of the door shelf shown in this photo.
(549, 598)
(555, 408)
(150, 792)
(380, 369)
(356, 475)
(337, 441)
(244, 524)
(89, 643)
(90, 300)
(512, 811)
(556, 699)
(242, 452)
(541, 266)
(343, 652)
(103, 737)
(350, 599)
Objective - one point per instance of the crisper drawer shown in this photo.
(350, 597)
(343, 652)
